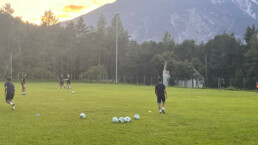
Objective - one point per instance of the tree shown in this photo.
(168, 41)
(185, 50)
(47, 50)
(225, 57)
(7, 9)
(96, 72)
(81, 28)
(123, 43)
(250, 31)
(252, 58)
(49, 18)
(101, 24)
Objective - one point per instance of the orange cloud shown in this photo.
(73, 8)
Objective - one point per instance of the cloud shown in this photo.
(102, 2)
(64, 16)
(73, 8)
(98, 2)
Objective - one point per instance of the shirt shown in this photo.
(23, 79)
(10, 87)
(160, 89)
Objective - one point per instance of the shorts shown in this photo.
(257, 89)
(61, 82)
(9, 96)
(68, 82)
(161, 98)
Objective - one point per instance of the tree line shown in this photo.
(50, 49)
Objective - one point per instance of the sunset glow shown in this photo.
(32, 10)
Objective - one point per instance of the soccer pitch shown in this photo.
(193, 116)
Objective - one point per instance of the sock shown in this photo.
(163, 108)
(159, 110)
(11, 103)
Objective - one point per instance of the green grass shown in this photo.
(193, 116)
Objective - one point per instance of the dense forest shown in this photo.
(87, 52)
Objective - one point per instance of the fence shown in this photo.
(200, 82)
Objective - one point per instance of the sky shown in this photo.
(32, 10)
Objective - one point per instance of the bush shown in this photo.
(98, 72)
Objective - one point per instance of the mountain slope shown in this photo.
(184, 19)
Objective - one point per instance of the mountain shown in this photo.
(199, 20)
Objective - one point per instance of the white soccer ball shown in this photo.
(115, 120)
(82, 116)
(73, 92)
(127, 119)
(121, 120)
(137, 116)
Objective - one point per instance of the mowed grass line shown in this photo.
(193, 116)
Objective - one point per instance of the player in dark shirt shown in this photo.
(23, 79)
(68, 79)
(61, 81)
(161, 93)
(9, 92)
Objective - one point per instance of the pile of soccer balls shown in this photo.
(117, 120)
(125, 119)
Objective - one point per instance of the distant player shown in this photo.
(9, 92)
(256, 88)
(23, 79)
(222, 84)
(61, 81)
(161, 92)
(68, 79)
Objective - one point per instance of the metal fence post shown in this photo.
(218, 83)
(244, 84)
(144, 79)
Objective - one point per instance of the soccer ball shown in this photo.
(73, 92)
(127, 119)
(115, 120)
(136, 116)
(121, 120)
(82, 116)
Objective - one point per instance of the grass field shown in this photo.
(193, 116)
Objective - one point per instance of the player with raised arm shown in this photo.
(9, 92)
(161, 92)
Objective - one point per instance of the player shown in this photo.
(9, 92)
(61, 81)
(68, 79)
(256, 88)
(161, 92)
(23, 83)
(222, 84)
